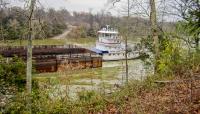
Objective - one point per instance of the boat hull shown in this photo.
(119, 56)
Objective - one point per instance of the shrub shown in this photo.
(12, 74)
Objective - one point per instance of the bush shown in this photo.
(12, 74)
(87, 102)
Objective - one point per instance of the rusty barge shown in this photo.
(54, 58)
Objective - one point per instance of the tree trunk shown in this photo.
(126, 43)
(2, 3)
(29, 56)
(29, 49)
(2, 35)
(197, 43)
(154, 30)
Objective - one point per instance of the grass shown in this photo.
(119, 98)
(133, 98)
(134, 39)
(81, 41)
(82, 83)
(35, 42)
(72, 77)
(84, 41)
(96, 73)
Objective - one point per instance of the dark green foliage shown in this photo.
(192, 16)
(174, 60)
(42, 103)
(148, 42)
(91, 33)
(191, 24)
(12, 74)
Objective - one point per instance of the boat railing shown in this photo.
(110, 37)
(110, 29)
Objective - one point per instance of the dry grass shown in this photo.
(81, 41)
(170, 98)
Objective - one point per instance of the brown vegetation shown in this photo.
(174, 98)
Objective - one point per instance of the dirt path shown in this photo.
(65, 33)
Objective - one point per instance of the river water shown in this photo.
(106, 79)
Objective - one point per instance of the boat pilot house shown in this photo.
(111, 46)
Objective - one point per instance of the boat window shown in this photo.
(107, 35)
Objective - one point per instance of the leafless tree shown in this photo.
(2, 6)
(29, 52)
(154, 29)
(29, 48)
(188, 11)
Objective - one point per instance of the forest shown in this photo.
(170, 85)
(53, 22)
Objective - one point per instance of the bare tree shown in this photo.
(29, 54)
(154, 29)
(127, 34)
(126, 42)
(2, 6)
(29, 47)
(188, 11)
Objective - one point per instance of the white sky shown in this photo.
(71, 5)
(86, 5)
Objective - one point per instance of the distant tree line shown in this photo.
(48, 23)
(51, 22)
(139, 27)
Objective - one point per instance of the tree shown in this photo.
(192, 16)
(29, 54)
(14, 29)
(126, 35)
(2, 6)
(188, 13)
(154, 30)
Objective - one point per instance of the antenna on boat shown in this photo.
(107, 27)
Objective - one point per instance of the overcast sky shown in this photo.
(86, 5)
(71, 5)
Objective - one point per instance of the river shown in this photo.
(106, 79)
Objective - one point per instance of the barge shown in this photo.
(54, 58)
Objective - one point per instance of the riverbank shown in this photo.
(79, 41)
(138, 97)
(111, 74)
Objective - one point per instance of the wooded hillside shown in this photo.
(51, 22)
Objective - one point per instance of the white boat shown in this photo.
(111, 46)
